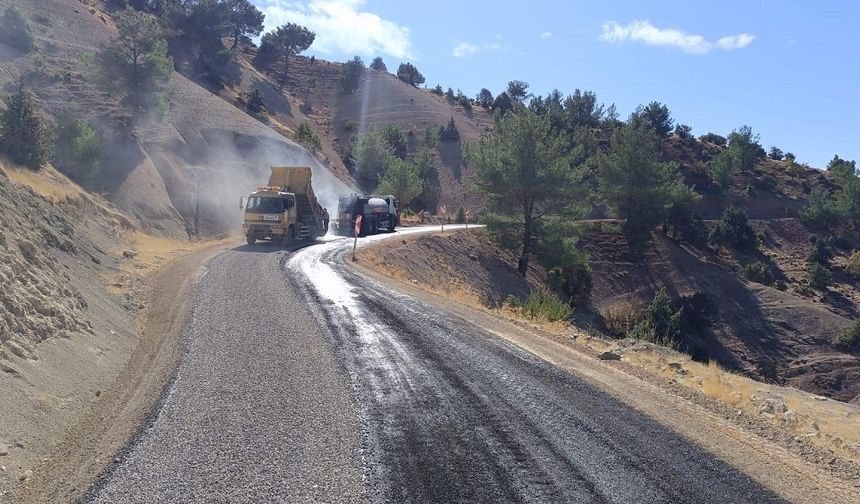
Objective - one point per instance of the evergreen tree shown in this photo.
(378, 64)
(639, 186)
(15, 30)
(485, 98)
(524, 173)
(351, 73)
(246, 20)
(409, 74)
(402, 181)
(135, 64)
(287, 41)
(23, 138)
(76, 148)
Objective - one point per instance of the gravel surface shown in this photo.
(454, 414)
(259, 411)
(304, 381)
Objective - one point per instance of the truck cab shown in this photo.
(270, 213)
(285, 209)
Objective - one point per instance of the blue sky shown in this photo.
(788, 69)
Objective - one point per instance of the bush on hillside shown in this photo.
(306, 137)
(396, 140)
(464, 102)
(713, 138)
(485, 98)
(850, 337)
(449, 132)
(853, 264)
(656, 116)
(721, 168)
(821, 251)
(351, 73)
(460, 216)
(542, 305)
(15, 30)
(683, 131)
(77, 148)
(734, 230)
(378, 64)
(438, 90)
(757, 272)
(409, 74)
(775, 153)
(23, 138)
(818, 276)
(254, 102)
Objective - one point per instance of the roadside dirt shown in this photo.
(795, 466)
(122, 409)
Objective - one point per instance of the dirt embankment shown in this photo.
(74, 272)
(460, 265)
(764, 331)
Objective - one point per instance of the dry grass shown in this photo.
(825, 422)
(47, 182)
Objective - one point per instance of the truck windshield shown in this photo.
(265, 205)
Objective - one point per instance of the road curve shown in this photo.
(305, 381)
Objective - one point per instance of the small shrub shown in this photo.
(350, 124)
(464, 102)
(853, 264)
(305, 136)
(620, 319)
(437, 90)
(757, 272)
(683, 131)
(850, 337)
(15, 30)
(542, 304)
(253, 101)
(460, 216)
(819, 277)
(449, 132)
(714, 139)
(734, 230)
(76, 148)
(821, 251)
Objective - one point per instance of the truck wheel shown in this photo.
(250, 239)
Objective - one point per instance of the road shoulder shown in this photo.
(121, 410)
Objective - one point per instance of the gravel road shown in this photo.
(304, 381)
(260, 410)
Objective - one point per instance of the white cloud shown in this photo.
(646, 33)
(733, 42)
(546, 34)
(464, 49)
(342, 27)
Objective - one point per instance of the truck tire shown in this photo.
(250, 239)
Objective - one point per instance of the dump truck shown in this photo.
(284, 210)
(379, 213)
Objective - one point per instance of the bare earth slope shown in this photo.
(181, 176)
(63, 334)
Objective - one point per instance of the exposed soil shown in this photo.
(757, 324)
(455, 263)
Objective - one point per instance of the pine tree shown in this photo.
(23, 138)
